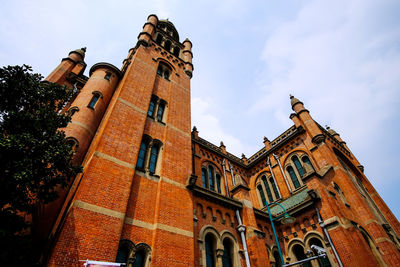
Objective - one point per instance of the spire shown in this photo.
(294, 101)
(80, 52)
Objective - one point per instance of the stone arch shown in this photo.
(226, 235)
(208, 230)
(291, 245)
(308, 238)
(371, 244)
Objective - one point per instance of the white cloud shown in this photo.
(209, 126)
(344, 65)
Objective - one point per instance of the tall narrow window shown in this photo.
(298, 165)
(160, 111)
(107, 76)
(152, 106)
(260, 190)
(211, 178)
(293, 177)
(139, 259)
(210, 251)
(167, 45)
(166, 74)
(218, 178)
(204, 177)
(176, 51)
(153, 159)
(298, 251)
(94, 100)
(122, 255)
(164, 70)
(276, 192)
(160, 70)
(159, 39)
(277, 259)
(227, 256)
(269, 194)
(142, 155)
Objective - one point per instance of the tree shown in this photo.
(35, 157)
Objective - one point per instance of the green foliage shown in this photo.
(34, 155)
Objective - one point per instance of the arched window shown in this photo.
(94, 100)
(107, 76)
(160, 111)
(176, 51)
(164, 71)
(159, 39)
(153, 159)
(298, 251)
(167, 45)
(210, 251)
(277, 259)
(72, 111)
(211, 178)
(145, 162)
(139, 258)
(204, 177)
(261, 192)
(218, 178)
(293, 177)
(269, 194)
(133, 255)
(152, 106)
(228, 253)
(73, 143)
(297, 163)
(276, 192)
(323, 262)
(142, 154)
(122, 255)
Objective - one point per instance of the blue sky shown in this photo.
(341, 58)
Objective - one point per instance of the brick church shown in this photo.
(154, 193)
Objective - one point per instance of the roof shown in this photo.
(290, 202)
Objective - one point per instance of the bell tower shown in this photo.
(131, 200)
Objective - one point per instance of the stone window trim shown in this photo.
(157, 109)
(149, 162)
(169, 45)
(72, 111)
(164, 70)
(73, 142)
(218, 186)
(272, 193)
(131, 249)
(95, 99)
(108, 76)
(301, 166)
(218, 247)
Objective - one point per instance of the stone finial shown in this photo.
(195, 133)
(222, 147)
(267, 143)
(243, 156)
(294, 101)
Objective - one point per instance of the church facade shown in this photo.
(154, 193)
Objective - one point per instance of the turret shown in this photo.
(74, 64)
(148, 31)
(302, 116)
(187, 57)
(89, 106)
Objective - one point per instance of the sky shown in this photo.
(340, 58)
